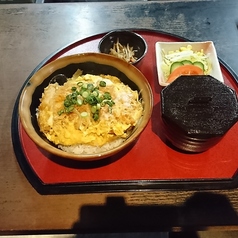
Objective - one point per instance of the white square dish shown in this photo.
(164, 48)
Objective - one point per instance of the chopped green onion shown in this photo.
(98, 106)
(61, 112)
(109, 103)
(81, 91)
(74, 95)
(90, 87)
(79, 101)
(67, 103)
(95, 93)
(107, 95)
(102, 84)
(84, 114)
(69, 109)
(95, 116)
(92, 100)
(84, 86)
(85, 94)
(93, 109)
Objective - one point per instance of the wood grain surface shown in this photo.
(28, 34)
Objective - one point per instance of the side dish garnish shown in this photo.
(88, 113)
(184, 70)
(126, 53)
(185, 61)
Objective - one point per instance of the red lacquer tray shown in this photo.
(149, 164)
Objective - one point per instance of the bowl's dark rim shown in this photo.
(109, 186)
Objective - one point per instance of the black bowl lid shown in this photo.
(199, 106)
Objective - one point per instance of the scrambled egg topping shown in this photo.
(78, 126)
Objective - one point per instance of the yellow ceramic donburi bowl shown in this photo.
(93, 63)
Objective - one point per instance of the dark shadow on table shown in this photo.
(199, 211)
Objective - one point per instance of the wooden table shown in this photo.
(28, 34)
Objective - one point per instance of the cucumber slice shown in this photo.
(175, 65)
(199, 64)
(186, 62)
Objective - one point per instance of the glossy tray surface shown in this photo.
(151, 163)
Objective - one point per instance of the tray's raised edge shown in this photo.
(108, 186)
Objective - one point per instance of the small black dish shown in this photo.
(124, 37)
